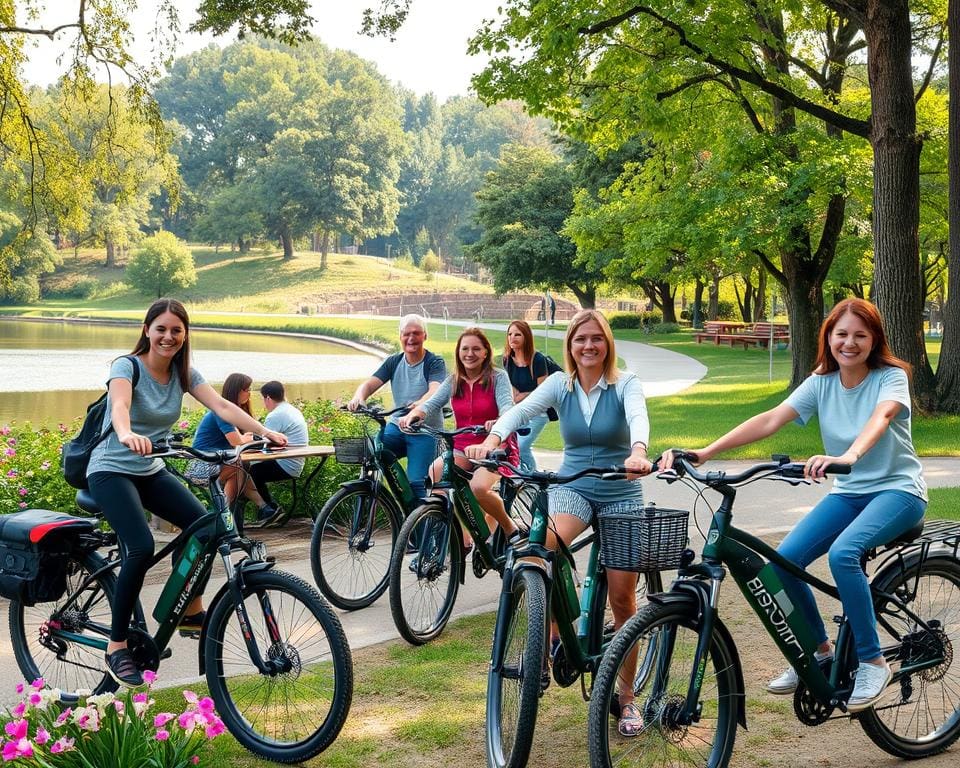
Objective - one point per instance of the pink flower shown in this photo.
(45, 465)
(17, 729)
(14, 749)
(195, 760)
(162, 735)
(12, 441)
(206, 704)
(5, 430)
(186, 721)
(22, 505)
(184, 424)
(12, 473)
(149, 676)
(140, 698)
(43, 735)
(20, 687)
(38, 684)
(23, 491)
(63, 744)
(162, 719)
(190, 696)
(119, 706)
(35, 699)
(64, 716)
(18, 710)
(10, 452)
(214, 729)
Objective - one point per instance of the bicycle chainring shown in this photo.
(479, 569)
(809, 711)
(563, 673)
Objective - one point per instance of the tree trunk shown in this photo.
(896, 189)
(760, 298)
(696, 314)
(111, 253)
(286, 240)
(805, 307)
(668, 305)
(713, 307)
(948, 368)
(324, 248)
(586, 295)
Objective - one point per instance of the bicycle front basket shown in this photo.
(350, 450)
(650, 541)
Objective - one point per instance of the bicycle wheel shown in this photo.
(425, 573)
(69, 666)
(919, 714)
(350, 549)
(513, 691)
(294, 714)
(661, 696)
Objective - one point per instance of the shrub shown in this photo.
(624, 320)
(664, 328)
(106, 731)
(726, 310)
(161, 265)
(73, 287)
(430, 263)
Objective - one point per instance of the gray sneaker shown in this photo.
(871, 681)
(788, 680)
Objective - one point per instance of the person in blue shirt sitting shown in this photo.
(215, 434)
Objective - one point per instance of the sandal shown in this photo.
(631, 720)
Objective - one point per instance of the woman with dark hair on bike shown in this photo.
(603, 422)
(478, 394)
(124, 480)
(215, 433)
(860, 394)
(527, 370)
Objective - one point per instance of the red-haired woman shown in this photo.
(861, 395)
(527, 370)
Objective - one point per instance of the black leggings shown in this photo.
(264, 472)
(123, 499)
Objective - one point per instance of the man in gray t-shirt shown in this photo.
(414, 375)
(285, 418)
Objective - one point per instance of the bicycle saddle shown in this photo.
(907, 536)
(85, 502)
(31, 525)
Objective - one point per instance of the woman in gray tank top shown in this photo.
(603, 421)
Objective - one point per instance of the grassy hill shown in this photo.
(257, 281)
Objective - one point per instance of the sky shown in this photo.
(429, 54)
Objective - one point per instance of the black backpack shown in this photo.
(552, 365)
(76, 452)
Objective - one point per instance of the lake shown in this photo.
(51, 371)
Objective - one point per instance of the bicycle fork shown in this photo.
(274, 665)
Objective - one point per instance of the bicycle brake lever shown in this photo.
(793, 480)
(669, 475)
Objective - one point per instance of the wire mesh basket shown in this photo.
(350, 450)
(650, 541)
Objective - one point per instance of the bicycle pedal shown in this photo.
(190, 634)
(166, 653)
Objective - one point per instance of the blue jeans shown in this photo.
(845, 526)
(535, 425)
(420, 451)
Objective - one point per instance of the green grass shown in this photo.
(944, 504)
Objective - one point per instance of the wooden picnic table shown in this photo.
(723, 326)
(300, 484)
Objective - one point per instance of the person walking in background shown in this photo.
(526, 369)
(286, 419)
(414, 375)
(860, 394)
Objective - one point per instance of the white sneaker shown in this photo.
(787, 682)
(870, 683)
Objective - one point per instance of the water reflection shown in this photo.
(49, 372)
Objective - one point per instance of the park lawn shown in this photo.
(944, 503)
(257, 281)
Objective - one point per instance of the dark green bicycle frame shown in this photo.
(750, 561)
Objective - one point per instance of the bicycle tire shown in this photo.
(521, 643)
(920, 715)
(351, 568)
(424, 584)
(662, 741)
(83, 667)
(280, 729)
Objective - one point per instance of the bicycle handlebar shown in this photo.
(375, 412)
(780, 465)
(174, 449)
(498, 460)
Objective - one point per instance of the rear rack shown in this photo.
(940, 536)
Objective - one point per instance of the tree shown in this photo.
(24, 256)
(161, 265)
(521, 209)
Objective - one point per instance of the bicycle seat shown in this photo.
(31, 525)
(907, 536)
(86, 502)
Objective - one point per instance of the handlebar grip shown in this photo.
(837, 469)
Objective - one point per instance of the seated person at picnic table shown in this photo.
(286, 419)
(478, 394)
(216, 434)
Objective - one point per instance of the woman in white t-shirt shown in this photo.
(860, 393)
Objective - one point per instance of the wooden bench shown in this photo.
(760, 334)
